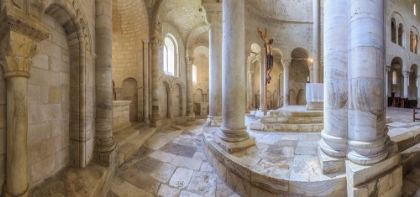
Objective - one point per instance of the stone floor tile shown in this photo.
(188, 194)
(148, 164)
(193, 164)
(203, 183)
(206, 167)
(199, 156)
(140, 179)
(122, 188)
(168, 191)
(158, 140)
(408, 188)
(143, 152)
(178, 149)
(162, 156)
(222, 190)
(413, 176)
(163, 173)
(181, 178)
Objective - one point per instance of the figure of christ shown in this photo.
(268, 48)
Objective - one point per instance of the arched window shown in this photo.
(415, 9)
(170, 56)
(408, 79)
(194, 74)
(416, 42)
(400, 35)
(394, 78)
(393, 31)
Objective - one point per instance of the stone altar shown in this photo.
(314, 96)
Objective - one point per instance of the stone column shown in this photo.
(387, 93)
(250, 90)
(333, 143)
(214, 18)
(156, 65)
(316, 30)
(418, 90)
(190, 107)
(16, 66)
(368, 131)
(146, 81)
(262, 85)
(233, 135)
(104, 139)
(286, 66)
(405, 74)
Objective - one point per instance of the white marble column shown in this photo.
(262, 85)
(104, 140)
(387, 92)
(214, 18)
(405, 74)
(146, 81)
(189, 90)
(233, 135)
(367, 113)
(418, 90)
(333, 141)
(250, 88)
(316, 28)
(286, 66)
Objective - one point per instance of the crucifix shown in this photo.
(267, 62)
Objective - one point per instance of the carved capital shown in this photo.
(16, 53)
(190, 60)
(157, 42)
(387, 68)
(213, 13)
(406, 73)
(286, 63)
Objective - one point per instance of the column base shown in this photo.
(214, 121)
(235, 146)
(7, 194)
(330, 164)
(380, 179)
(106, 158)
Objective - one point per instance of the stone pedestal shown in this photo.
(121, 114)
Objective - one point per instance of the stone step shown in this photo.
(131, 139)
(405, 135)
(410, 158)
(310, 127)
(296, 113)
(292, 120)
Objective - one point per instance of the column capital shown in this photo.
(213, 13)
(157, 42)
(16, 52)
(286, 63)
(406, 73)
(387, 68)
(190, 60)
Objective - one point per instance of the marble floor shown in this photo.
(172, 161)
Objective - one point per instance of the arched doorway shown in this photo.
(129, 92)
(298, 75)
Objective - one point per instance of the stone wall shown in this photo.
(48, 106)
(2, 130)
(201, 61)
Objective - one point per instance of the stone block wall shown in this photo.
(201, 61)
(48, 106)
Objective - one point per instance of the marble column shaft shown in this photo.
(405, 74)
(366, 112)
(251, 90)
(214, 17)
(418, 90)
(233, 125)
(286, 66)
(156, 65)
(316, 41)
(334, 135)
(387, 69)
(146, 81)
(189, 86)
(104, 140)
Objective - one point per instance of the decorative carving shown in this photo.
(17, 51)
(157, 42)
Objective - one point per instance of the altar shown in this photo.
(315, 96)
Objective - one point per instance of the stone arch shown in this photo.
(71, 18)
(292, 97)
(301, 97)
(396, 78)
(298, 72)
(129, 92)
(198, 95)
(165, 100)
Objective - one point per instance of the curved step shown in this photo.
(284, 127)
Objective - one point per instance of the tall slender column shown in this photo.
(405, 74)
(146, 81)
(262, 83)
(104, 139)
(418, 90)
(16, 65)
(250, 90)
(368, 132)
(333, 141)
(286, 66)
(387, 69)
(156, 64)
(214, 17)
(233, 135)
(316, 30)
(190, 107)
